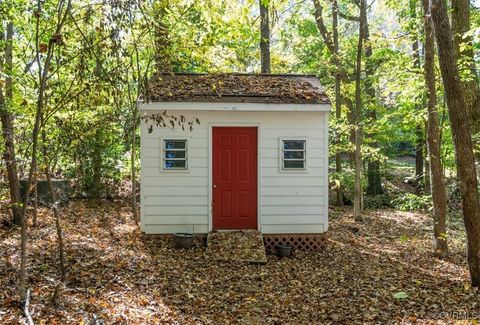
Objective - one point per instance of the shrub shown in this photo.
(412, 202)
(377, 201)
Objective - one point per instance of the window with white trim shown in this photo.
(294, 154)
(175, 154)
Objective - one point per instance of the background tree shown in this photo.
(338, 95)
(358, 198)
(438, 190)
(331, 41)
(374, 186)
(420, 139)
(7, 121)
(457, 108)
(461, 28)
(264, 36)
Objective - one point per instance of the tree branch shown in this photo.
(348, 17)
(26, 305)
(326, 35)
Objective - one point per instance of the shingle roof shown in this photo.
(236, 88)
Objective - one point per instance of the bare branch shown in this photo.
(26, 307)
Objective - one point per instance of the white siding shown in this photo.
(289, 202)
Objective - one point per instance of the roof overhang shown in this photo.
(242, 107)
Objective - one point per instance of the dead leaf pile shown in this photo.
(236, 88)
(383, 272)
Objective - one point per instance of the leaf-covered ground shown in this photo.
(120, 277)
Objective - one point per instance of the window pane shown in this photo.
(175, 144)
(168, 164)
(293, 164)
(293, 144)
(175, 154)
(293, 154)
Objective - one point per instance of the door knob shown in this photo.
(214, 186)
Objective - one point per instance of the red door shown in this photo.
(235, 178)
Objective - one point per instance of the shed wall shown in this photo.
(289, 201)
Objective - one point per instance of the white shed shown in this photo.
(258, 159)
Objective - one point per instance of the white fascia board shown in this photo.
(246, 107)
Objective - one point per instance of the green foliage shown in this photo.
(412, 202)
(107, 52)
(346, 179)
(404, 238)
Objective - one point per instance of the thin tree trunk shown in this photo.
(331, 43)
(42, 78)
(6, 118)
(426, 163)
(357, 206)
(133, 161)
(96, 189)
(338, 101)
(35, 199)
(457, 108)
(56, 212)
(419, 138)
(439, 194)
(427, 178)
(33, 165)
(352, 135)
(419, 158)
(264, 36)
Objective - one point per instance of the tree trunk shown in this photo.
(457, 108)
(6, 118)
(439, 194)
(133, 163)
(374, 178)
(419, 138)
(419, 158)
(460, 26)
(357, 206)
(426, 161)
(373, 168)
(351, 122)
(96, 185)
(338, 101)
(427, 178)
(264, 36)
(331, 43)
(338, 154)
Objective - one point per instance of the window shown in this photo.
(175, 154)
(293, 154)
